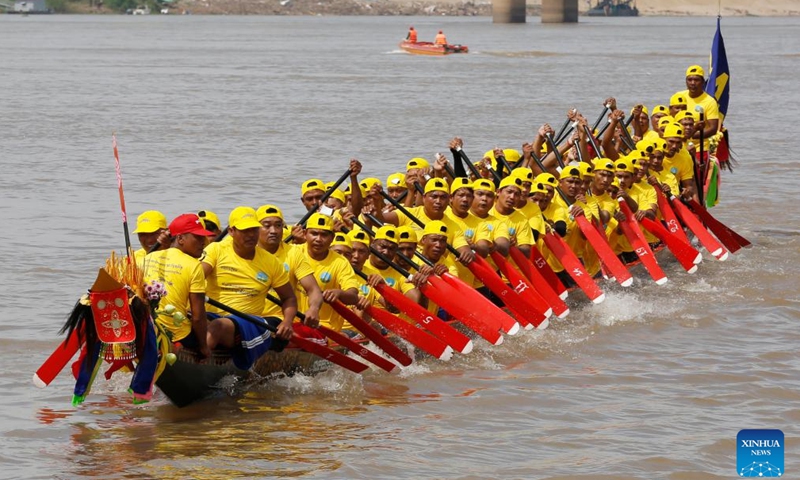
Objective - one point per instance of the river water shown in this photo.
(214, 112)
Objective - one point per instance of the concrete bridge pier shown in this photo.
(559, 11)
(508, 11)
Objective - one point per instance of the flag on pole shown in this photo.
(719, 85)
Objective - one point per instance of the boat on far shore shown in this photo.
(614, 8)
(429, 48)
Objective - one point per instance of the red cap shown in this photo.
(188, 223)
(440, 31)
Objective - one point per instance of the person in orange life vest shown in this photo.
(412, 35)
(440, 39)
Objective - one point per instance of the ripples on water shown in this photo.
(214, 112)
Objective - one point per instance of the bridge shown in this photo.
(553, 11)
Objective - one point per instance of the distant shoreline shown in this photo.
(647, 8)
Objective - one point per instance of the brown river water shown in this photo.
(215, 112)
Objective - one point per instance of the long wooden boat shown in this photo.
(428, 48)
(189, 380)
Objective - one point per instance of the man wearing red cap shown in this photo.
(178, 268)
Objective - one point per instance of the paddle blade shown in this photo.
(630, 227)
(460, 342)
(329, 354)
(673, 225)
(442, 294)
(732, 240)
(485, 307)
(365, 328)
(519, 305)
(416, 336)
(538, 261)
(706, 239)
(600, 245)
(687, 256)
(574, 267)
(357, 348)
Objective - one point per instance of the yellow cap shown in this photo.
(586, 170)
(645, 145)
(312, 184)
(436, 227)
(644, 110)
(417, 162)
(547, 179)
(570, 172)
(624, 165)
(460, 182)
(359, 236)
(338, 195)
(512, 156)
(673, 130)
(604, 164)
(665, 121)
(406, 234)
(661, 109)
(267, 211)
(150, 221)
(695, 70)
(360, 188)
(483, 184)
(209, 216)
(368, 183)
(243, 218)
(341, 239)
(387, 232)
(509, 181)
(537, 187)
(637, 157)
(659, 145)
(686, 113)
(677, 99)
(396, 180)
(523, 173)
(320, 221)
(436, 185)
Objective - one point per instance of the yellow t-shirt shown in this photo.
(334, 272)
(664, 176)
(181, 275)
(240, 283)
(296, 266)
(458, 238)
(681, 165)
(392, 277)
(517, 225)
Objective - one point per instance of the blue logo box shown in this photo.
(759, 453)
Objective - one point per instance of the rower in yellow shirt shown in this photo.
(240, 274)
(333, 273)
(295, 264)
(179, 270)
(678, 161)
(696, 95)
(150, 228)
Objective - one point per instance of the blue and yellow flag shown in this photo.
(719, 82)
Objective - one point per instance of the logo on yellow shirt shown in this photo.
(286, 267)
(262, 277)
(325, 277)
(390, 281)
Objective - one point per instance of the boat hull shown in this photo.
(188, 380)
(428, 48)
